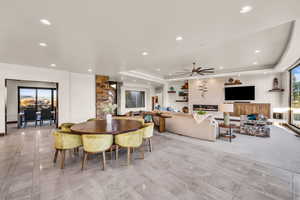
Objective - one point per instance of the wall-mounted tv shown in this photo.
(242, 93)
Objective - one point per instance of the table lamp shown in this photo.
(226, 109)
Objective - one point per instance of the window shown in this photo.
(135, 99)
(295, 97)
(36, 98)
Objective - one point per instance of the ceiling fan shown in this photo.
(196, 70)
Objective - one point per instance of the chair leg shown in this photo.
(128, 156)
(55, 156)
(111, 154)
(142, 151)
(103, 160)
(63, 155)
(84, 159)
(117, 152)
(150, 144)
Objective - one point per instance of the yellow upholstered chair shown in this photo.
(64, 141)
(131, 118)
(91, 119)
(66, 127)
(148, 133)
(96, 144)
(130, 141)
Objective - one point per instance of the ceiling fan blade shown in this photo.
(208, 69)
(207, 72)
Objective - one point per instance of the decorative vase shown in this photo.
(226, 119)
(108, 118)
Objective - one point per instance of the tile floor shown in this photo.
(176, 169)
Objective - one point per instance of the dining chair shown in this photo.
(93, 144)
(66, 127)
(30, 116)
(148, 133)
(130, 141)
(46, 115)
(64, 141)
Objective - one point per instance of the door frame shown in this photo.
(5, 98)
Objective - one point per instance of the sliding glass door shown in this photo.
(37, 98)
(44, 99)
(295, 97)
(27, 99)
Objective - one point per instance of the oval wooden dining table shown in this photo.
(116, 126)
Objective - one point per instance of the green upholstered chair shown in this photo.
(66, 127)
(130, 141)
(148, 133)
(64, 141)
(131, 118)
(95, 144)
(91, 119)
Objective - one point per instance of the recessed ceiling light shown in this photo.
(178, 38)
(158, 69)
(145, 53)
(45, 22)
(255, 63)
(90, 70)
(265, 72)
(53, 65)
(246, 9)
(43, 44)
(257, 51)
(221, 67)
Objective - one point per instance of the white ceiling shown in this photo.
(109, 36)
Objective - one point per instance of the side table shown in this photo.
(229, 132)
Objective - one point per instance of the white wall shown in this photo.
(215, 94)
(149, 92)
(12, 95)
(82, 94)
(67, 96)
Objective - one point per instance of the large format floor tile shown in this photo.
(176, 169)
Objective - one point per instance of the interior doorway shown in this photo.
(154, 101)
(30, 103)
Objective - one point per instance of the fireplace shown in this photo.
(197, 107)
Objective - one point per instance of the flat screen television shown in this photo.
(241, 93)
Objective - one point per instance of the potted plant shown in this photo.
(201, 112)
(108, 110)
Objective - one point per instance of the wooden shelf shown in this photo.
(171, 92)
(182, 101)
(233, 84)
(276, 90)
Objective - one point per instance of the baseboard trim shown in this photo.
(12, 122)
